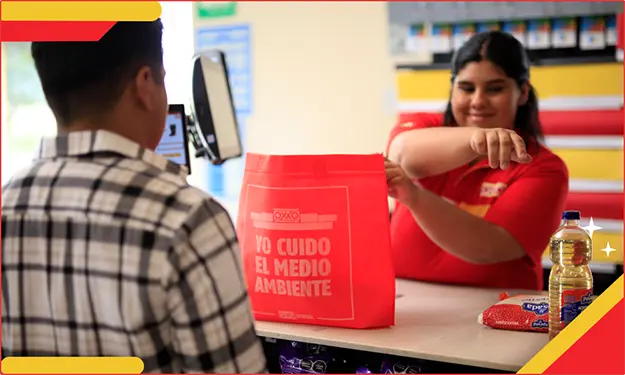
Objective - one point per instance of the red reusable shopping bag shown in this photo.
(314, 234)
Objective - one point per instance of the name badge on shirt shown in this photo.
(492, 189)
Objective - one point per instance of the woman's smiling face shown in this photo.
(483, 96)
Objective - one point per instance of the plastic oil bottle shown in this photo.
(570, 280)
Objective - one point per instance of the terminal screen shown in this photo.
(173, 144)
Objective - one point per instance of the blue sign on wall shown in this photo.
(234, 42)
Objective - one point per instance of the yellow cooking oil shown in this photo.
(570, 280)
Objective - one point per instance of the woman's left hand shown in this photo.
(400, 186)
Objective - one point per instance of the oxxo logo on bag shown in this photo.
(302, 252)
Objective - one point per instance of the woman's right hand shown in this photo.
(500, 146)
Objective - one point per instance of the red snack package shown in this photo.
(518, 313)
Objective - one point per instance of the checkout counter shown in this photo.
(436, 326)
(433, 323)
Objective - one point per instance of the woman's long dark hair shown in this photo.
(507, 53)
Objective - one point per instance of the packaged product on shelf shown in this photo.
(302, 358)
(401, 366)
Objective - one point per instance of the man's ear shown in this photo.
(525, 93)
(145, 83)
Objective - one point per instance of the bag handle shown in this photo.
(319, 167)
(262, 161)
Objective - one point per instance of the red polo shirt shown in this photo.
(526, 200)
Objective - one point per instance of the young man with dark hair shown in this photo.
(106, 250)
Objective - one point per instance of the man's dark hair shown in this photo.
(83, 79)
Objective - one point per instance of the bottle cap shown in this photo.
(571, 215)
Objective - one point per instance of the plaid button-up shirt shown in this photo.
(107, 251)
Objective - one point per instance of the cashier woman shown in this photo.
(477, 195)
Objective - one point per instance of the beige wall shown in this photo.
(322, 77)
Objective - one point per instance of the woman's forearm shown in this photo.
(460, 233)
(432, 151)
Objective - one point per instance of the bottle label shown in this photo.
(573, 303)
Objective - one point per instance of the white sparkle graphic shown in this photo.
(591, 227)
(608, 250)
